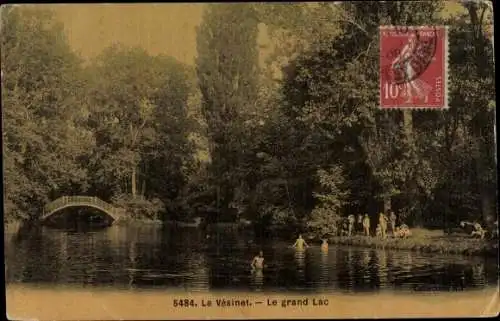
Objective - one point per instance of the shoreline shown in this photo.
(441, 245)
(133, 221)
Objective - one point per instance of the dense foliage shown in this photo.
(295, 141)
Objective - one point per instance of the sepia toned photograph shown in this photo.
(258, 160)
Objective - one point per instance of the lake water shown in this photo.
(156, 257)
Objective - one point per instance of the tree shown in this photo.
(44, 136)
(471, 134)
(331, 91)
(227, 75)
(139, 116)
(331, 201)
(484, 119)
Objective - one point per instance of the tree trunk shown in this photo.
(133, 182)
(476, 20)
(143, 187)
(387, 204)
(418, 221)
(487, 207)
(487, 201)
(218, 202)
(412, 189)
(408, 126)
(476, 14)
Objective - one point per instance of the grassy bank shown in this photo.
(425, 241)
(127, 220)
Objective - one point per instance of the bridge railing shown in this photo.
(90, 200)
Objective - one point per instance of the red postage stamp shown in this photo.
(413, 67)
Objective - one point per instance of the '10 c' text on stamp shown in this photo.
(413, 67)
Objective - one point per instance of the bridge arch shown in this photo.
(81, 201)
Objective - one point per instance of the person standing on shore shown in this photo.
(392, 219)
(351, 220)
(359, 223)
(382, 221)
(366, 225)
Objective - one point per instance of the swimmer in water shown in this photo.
(300, 243)
(324, 245)
(258, 262)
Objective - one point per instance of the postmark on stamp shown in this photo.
(413, 67)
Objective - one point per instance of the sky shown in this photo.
(161, 28)
(168, 28)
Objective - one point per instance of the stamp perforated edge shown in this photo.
(445, 105)
(446, 71)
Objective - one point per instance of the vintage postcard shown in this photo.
(249, 160)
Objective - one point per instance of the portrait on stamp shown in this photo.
(251, 160)
(413, 67)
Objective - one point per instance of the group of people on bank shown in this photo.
(474, 229)
(362, 224)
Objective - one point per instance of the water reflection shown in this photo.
(324, 271)
(381, 255)
(347, 272)
(365, 259)
(198, 278)
(132, 258)
(155, 256)
(62, 258)
(257, 280)
(478, 273)
(300, 263)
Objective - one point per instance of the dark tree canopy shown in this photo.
(295, 141)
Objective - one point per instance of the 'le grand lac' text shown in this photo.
(232, 303)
